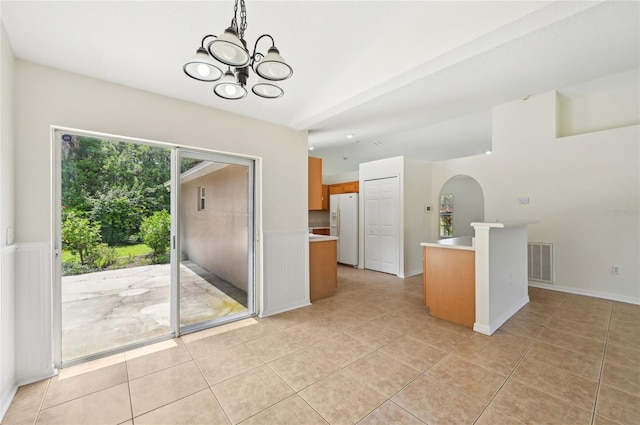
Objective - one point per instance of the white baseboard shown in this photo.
(413, 273)
(500, 320)
(282, 309)
(35, 376)
(6, 398)
(586, 292)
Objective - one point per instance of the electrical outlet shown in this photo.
(615, 270)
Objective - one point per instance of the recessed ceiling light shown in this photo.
(350, 136)
(310, 148)
(487, 153)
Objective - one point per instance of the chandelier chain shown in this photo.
(243, 19)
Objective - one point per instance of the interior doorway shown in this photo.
(461, 203)
(381, 210)
(150, 242)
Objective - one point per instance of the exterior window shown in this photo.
(446, 216)
(201, 199)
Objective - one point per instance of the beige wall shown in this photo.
(216, 238)
(7, 188)
(47, 96)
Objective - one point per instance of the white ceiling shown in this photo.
(414, 78)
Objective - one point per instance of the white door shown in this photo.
(381, 210)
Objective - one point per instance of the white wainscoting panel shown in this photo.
(34, 360)
(8, 385)
(286, 271)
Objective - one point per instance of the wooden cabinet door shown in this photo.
(325, 197)
(350, 187)
(315, 183)
(336, 189)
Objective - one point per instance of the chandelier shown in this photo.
(231, 50)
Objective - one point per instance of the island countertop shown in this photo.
(322, 238)
(462, 242)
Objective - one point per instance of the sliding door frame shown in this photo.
(175, 330)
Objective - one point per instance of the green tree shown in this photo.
(80, 235)
(114, 183)
(155, 231)
(119, 210)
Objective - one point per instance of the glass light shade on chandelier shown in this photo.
(230, 49)
(202, 68)
(273, 66)
(267, 89)
(229, 88)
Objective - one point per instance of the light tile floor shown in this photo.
(369, 355)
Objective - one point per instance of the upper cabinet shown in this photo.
(315, 183)
(348, 187)
(325, 197)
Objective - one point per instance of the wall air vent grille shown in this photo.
(540, 262)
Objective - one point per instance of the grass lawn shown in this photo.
(122, 251)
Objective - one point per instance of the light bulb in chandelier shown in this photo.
(229, 88)
(202, 67)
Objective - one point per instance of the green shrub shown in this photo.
(80, 235)
(155, 231)
(163, 258)
(73, 268)
(119, 211)
(102, 255)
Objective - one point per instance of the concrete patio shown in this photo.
(109, 309)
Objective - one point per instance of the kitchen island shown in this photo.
(323, 266)
(489, 271)
(449, 287)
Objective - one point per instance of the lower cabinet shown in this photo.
(450, 284)
(323, 269)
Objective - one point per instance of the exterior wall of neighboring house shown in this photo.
(215, 237)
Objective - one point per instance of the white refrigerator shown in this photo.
(343, 222)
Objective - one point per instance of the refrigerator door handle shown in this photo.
(338, 224)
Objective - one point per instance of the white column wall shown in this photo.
(584, 191)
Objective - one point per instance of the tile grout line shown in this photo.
(35, 421)
(126, 366)
(535, 339)
(604, 354)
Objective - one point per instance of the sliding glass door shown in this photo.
(150, 242)
(216, 239)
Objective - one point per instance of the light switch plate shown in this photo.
(523, 200)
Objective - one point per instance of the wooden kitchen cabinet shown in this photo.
(351, 187)
(325, 232)
(449, 284)
(348, 187)
(325, 197)
(323, 269)
(336, 189)
(315, 184)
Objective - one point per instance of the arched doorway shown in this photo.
(461, 203)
